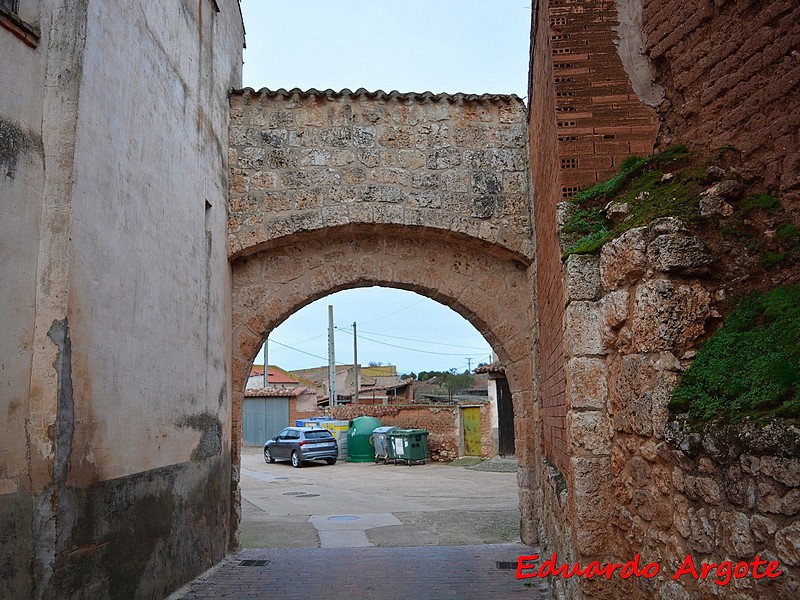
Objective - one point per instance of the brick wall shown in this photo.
(585, 119)
(731, 72)
(440, 422)
(599, 119)
(544, 154)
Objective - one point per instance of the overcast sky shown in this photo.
(470, 46)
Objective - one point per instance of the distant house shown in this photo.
(267, 410)
(371, 379)
(277, 378)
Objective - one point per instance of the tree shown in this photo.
(456, 382)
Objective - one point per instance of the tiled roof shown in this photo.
(276, 375)
(277, 392)
(380, 95)
(495, 367)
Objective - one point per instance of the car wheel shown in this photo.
(297, 462)
(330, 461)
(268, 456)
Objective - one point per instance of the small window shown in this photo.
(569, 192)
(10, 5)
(569, 163)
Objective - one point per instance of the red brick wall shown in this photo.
(600, 120)
(439, 421)
(732, 73)
(550, 293)
(585, 119)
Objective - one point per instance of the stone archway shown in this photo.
(487, 284)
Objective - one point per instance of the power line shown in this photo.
(397, 337)
(397, 311)
(415, 349)
(272, 341)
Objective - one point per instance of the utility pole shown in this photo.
(331, 360)
(266, 363)
(469, 365)
(355, 365)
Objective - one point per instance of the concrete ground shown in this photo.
(365, 530)
(368, 504)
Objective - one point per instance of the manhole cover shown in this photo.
(343, 518)
(254, 563)
(505, 565)
(293, 493)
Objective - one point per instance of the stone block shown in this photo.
(444, 158)
(679, 254)
(735, 536)
(587, 383)
(787, 544)
(590, 500)
(615, 308)
(631, 385)
(589, 432)
(582, 277)
(624, 260)
(584, 329)
(667, 314)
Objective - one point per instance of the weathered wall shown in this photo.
(635, 317)
(21, 175)
(121, 417)
(307, 160)
(731, 71)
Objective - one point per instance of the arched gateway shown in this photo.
(427, 193)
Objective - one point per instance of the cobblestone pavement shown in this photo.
(476, 572)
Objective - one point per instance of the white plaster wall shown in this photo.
(20, 214)
(149, 292)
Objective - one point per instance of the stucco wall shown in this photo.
(21, 175)
(124, 460)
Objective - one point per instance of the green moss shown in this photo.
(641, 184)
(751, 366)
(755, 201)
(770, 260)
(789, 233)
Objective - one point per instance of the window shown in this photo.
(16, 23)
(569, 192)
(569, 163)
(10, 5)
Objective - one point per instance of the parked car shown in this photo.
(299, 444)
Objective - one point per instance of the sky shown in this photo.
(469, 46)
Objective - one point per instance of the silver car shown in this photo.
(300, 444)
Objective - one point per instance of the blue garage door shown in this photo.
(264, 418)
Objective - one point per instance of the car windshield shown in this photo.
(321, 433)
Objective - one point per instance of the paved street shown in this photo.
(364, 530)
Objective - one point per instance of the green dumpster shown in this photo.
(359, 434)
(408, 445)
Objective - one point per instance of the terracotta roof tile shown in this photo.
(380, 95)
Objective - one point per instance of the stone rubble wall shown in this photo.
(635, 316)
(302, 161)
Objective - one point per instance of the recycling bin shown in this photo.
(339, 431)
(409, 445)
(359, 448)
(380, 441)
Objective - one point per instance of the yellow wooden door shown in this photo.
(471, 417)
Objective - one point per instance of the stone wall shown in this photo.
(731, 72)
(635, 316)
(302, 161)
